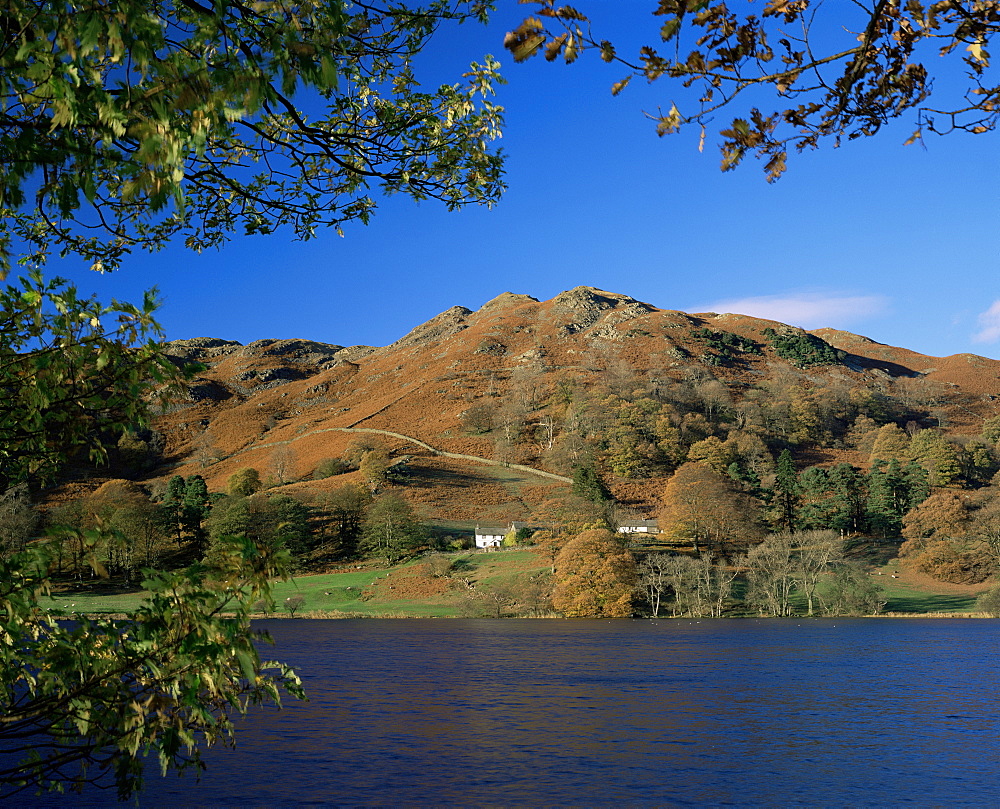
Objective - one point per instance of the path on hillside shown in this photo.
(456, 455)
(433, 450)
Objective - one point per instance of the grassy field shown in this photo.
(414, 589)
(410, 589)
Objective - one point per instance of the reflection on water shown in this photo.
(439, 712)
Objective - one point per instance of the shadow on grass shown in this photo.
(926, 602)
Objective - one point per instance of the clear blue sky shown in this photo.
(890, 241)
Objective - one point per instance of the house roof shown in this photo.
(499, 530)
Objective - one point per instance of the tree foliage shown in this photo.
(88, 700)
(706, 508)
(75, 375)
(391, 529)
(802, 349)
(126, 124)
(588, 485)
(85, 700)
(797, 72)
(594, 577)
(244, 482)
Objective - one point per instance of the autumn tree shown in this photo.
(18, 519)
(135, 528)
(985, 525)
(708, 508)
(283, 461)
(478, 418)
(699, 587)
(937, 455)
(374, 467)
(989, 602)
(493, 599)
(796, 73)
(653, 579)
(682, 579)
(244, 482)
(946, 513)
(594, 577)
(938, 539)
(360, 444)
(891, 444)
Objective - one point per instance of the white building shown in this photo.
(639, 527)
(492, 536)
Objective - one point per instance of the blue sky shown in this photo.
(885, 240)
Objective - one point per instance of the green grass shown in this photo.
(70, 602)
(343, 593)
(903, 598)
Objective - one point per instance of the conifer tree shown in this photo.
(195, 508)
(849, 499)
(892, 492)
(917, 484)
(173, 506)
(816, 507)
(587, 484)
(786, 491)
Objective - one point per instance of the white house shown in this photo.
(492, 536)
(639, 527)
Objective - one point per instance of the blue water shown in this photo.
(641, 713)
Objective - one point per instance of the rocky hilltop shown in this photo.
(514, 382)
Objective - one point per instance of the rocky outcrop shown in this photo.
(201, 349)
(449, 322)
(506, 300)
(582, 307)
(300, 352)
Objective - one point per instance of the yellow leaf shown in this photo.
(572, 50)
(524, 41)
(976, 49)
(553, 48)
(618, 86)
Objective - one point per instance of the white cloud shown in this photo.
(989, 322)
(808, 310)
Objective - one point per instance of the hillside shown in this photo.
(506, 383)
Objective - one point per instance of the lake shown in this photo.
(595, 713)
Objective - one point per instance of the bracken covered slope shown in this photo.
(282, 406)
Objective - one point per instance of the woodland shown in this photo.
(748, 522)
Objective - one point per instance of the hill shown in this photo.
(544, 384)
